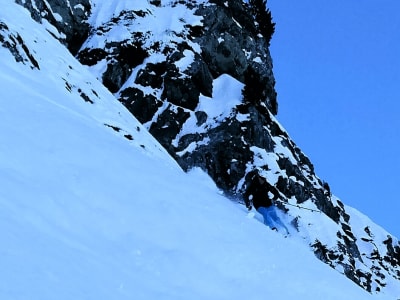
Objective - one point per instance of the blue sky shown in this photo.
(337, 68)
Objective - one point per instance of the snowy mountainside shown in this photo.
(91, 212)
(198, 75)
(70, 78)
(170, 63)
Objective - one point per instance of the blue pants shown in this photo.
(271, 219)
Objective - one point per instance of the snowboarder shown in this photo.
(258, 194)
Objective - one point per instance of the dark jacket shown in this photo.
(257, 194)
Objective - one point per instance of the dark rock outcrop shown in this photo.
(67, 16)
(16, 45)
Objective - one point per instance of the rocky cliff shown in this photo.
(198, 74)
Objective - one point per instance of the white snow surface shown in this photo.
(86, 213)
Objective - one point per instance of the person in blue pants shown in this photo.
(258, 195)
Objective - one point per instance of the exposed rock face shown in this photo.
(67, 16)
(166, 95)
(199, 75)
(15, 44)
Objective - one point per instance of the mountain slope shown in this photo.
(83, 145)
(90, 214)
(201, 81)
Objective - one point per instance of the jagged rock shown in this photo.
(180, 90)
(152, 75)
(144, 106)
(16, 45)
(168, 124)
(201, 76)
(67, 16)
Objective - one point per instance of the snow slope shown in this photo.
(185, 85)
(93, 208)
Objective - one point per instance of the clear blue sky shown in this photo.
(337, 67)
